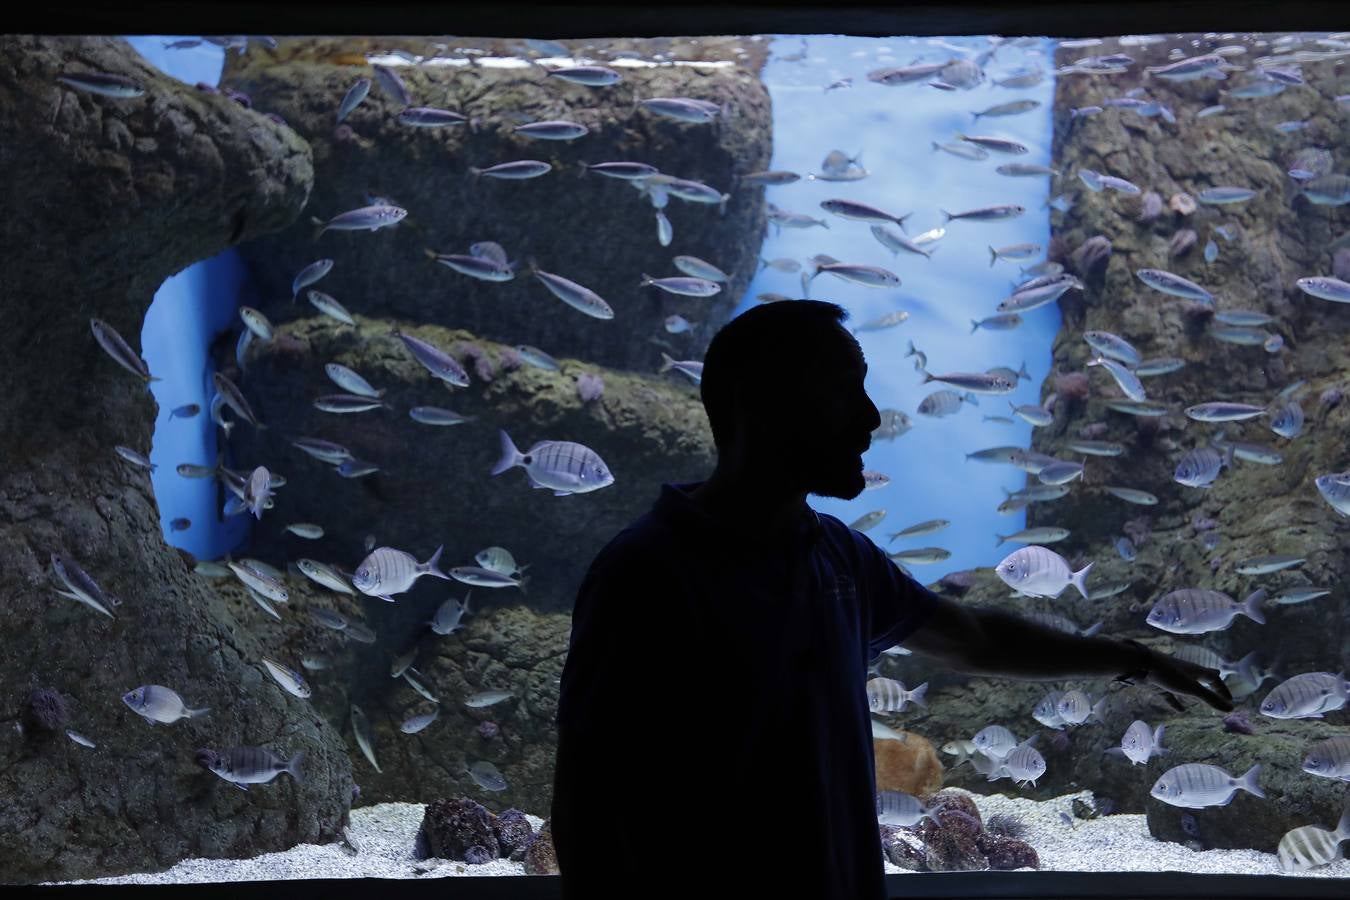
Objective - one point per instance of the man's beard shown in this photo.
(839, 477)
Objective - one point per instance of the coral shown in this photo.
(1182, 203)
(1007, 853)
(589, 387)
(456, 827)
(1072, 385)
(911, 765)
(483, 366)
(1138, 530)
(958, 582)
(1092, 431)
(1091, 256)
(510, 359)
(1181, 242)
(1238, 723)
(513, 831)
(488, 729)
(1150, 206)
(45, 710)
(540, 858)
(950, 844)
(900, 851)
(1006, 825)
(1331, 397)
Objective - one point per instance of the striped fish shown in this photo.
(563, 466)
(1196, 611)
(1023, 764)
(899, 808)
(1311, 846)
(388, 571)
(1330, 758)
(243, 766)
(1197, 785)
(1306, 696)
(888, 695)
(1040, 572)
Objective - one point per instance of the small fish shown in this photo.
(360, 633)
(234, 398)
(1325, 288)
(921, 556)
(135, 458)
(417, 685)
(996, 144)
(1075, 707)
(449, 616)
(1125, 547)
(1014, 252)
(675, 324)
(999, 322)
(392, 85)
(1225, 195)
(1335, 489)
(1039, 572)
(1197, 785)
(1139, 744)
(121, 353)
(577, 296)
(429, 117)
(156, 703)
(681, 109)
(81, 587)
(186, 411)
(306, 530)
(487, 698)
(105, 84)
(486, 776)
(1329, 758)
(963, 150)
(80, 739)
(1013, 108)
(517, 170)
(1132, 495)
(905, 810)
(348, 403)
(484, 577)
(1024, 764)
(565, 467)
(325, 451)
(350, 381)
(926, 527)
(1198, 611)
(683, 285)
(1044, 534)
(1126, 380)
(258, 490)
(1211, 111)
(482, 267)
(556, 130)
(364, 735)
(537, 358)
(986, 213)
(436, 361)
(367, 218)
(628, 171)
(414, 724)
(387, 571)
(768, 178)
(590, 76)
(329, 619)
(1222, 411)
(289, 679)
(352, 99)
(1172, 284)
(1307, 696)
(1264, 565)
(435, 415)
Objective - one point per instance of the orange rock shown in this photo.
(911, 765)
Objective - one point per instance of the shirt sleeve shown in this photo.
(896, 604)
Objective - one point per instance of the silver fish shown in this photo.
(697, 268)
(289, 679)
(364, 735)
(355, 468)
(921, 556)
(1198, 611)
(234, 398)
(80, 586)
(1329, 758)
(1174, 285)
(449, 616)
(329, 619)
(1023, 764)
(325, 451)
(1132, 495)
(435, 415)
(105, 84)
(131, 456)
(486, 698)
(367, 218)
(259, 581)
(999, 322)
(1108, 344)
(962, 150)
(414, 724)
(243, 766)
(628, 171)
(316, 663)
(1196, 786)
(121, 353)
(975, 382)
(350, 381)
(417, 685)
(1264, 565)
(258, 490)
(306, 530)
(484, 268)
(1311, 846)
(429, 117)
(1225, 195)
(1012, 108)
(556, 130)
(387, 571)
(683, 285)
(1128, 382)
(352, 99)
(436, 361)
(392, 84)
(997, 145)
(482, 577)
(1335, 489)
(156, 703)
(486, 776)
(1040, 572)
(926, 527)
(563, 466)
(577, 296)
(360, 633)
(1325, 288)
(1221, 411)
(680, 109)
(517, 170)
(80, 739)
(905, 810)
(944, 403)
(1139, 744)
(1043, 534)
(861, 212)
(348, 403)
(1306, 696)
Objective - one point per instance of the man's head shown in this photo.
(783, 389)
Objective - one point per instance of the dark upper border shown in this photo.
(614, 18)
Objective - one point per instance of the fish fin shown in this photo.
(193, 713)
(510, 454)
(1079, 579)
(432, 568)
(943, 211)
(974, 326)
(916, 695)
(294, 765)
(242, 787)
(1251, 607)
(1094, 628)
(1248, 781)
(993, 257)
(1114, 751)
(385, 598)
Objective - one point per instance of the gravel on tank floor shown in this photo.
(386, 832)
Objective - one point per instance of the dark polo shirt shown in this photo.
(713, 727)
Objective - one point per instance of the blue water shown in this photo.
(894, 127)
(188, 311)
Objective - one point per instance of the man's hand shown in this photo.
(1172, 674)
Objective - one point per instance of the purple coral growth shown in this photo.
(488, 729)
(1150, 206)
(1091, 256)
(510, 359)
(1092, 431)
(1138, 530)
(46, 710)
(1072, 385)
(1237, 723)
(589, 387)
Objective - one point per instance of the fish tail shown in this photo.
(667, 362)
(193, 713)
(1079, 579)
(321, 229)
(1022, 372)
(974, 326)
(1343, 826)
(936, 145)
(524, 579)
(585, 168)
(294, 765)
(476, 173)
(1251, 607)
(1158, 748)
(901, 222)
(1092, 629)
(722, 207)
(993, 257)
(510, 455)
(944, 212)
(1001, 539)
(1248, 781)
(969, 398)
(916, 695)
(431, 254)
(646, 280)
(432, 568)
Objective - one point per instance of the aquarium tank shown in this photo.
(287, 316)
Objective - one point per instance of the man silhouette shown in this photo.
(713, 727)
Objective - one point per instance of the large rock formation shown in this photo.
(594, 230)
(1254, 509)
(106, 198)
(433, 487)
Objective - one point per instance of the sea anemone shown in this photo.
(589, 387)
(1150, 206)
(1072, 385)
(488, 729)
(1182, 203)
(1091, 256)
(1006, 825)
(1181, 242)
(45, 711)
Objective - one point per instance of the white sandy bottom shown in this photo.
(386, 833)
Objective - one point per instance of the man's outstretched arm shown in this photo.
(1000, 643)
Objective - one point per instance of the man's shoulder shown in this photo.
(644, 541)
